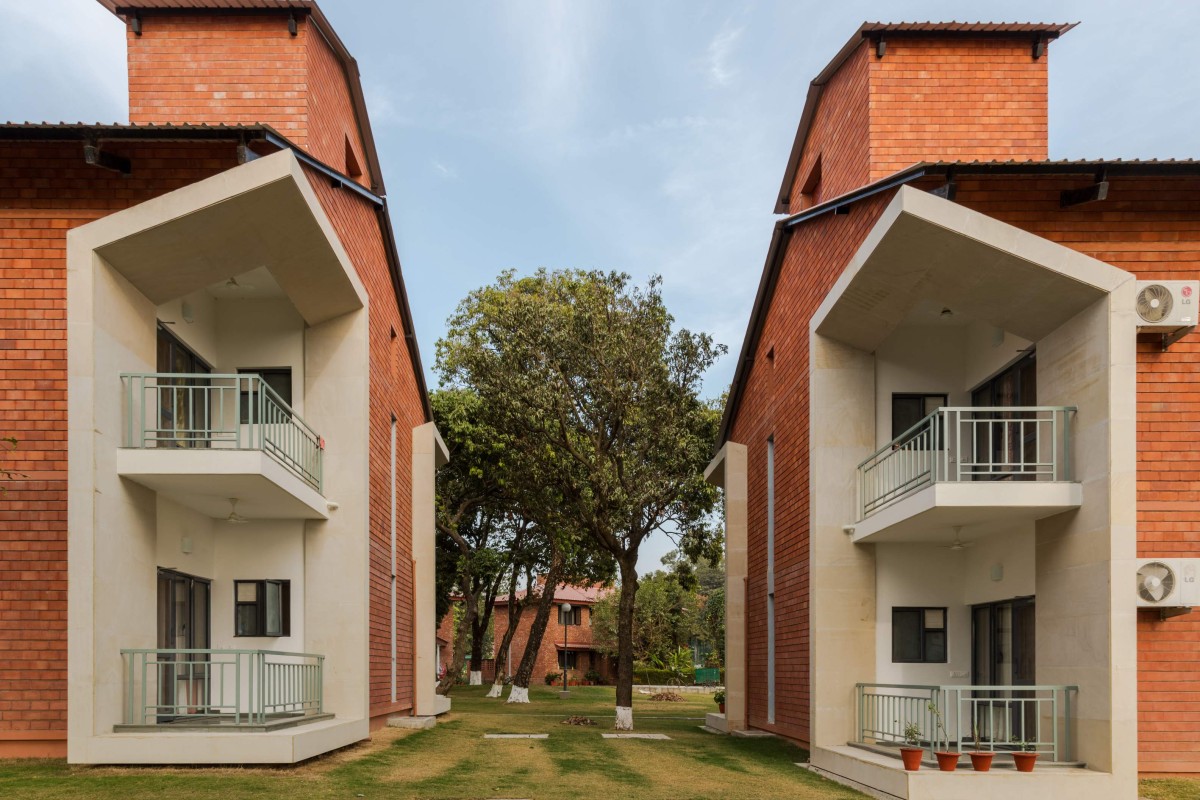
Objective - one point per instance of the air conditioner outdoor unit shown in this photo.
(1168, 583)
(1167, 307)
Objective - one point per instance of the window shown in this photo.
(280, 381)
(262, 608)
(574, 618)
(919, 635)
(909, 409)
(567, 659)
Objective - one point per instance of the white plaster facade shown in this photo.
(134, 511)
(1069, 544)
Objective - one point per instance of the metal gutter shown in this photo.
(335, 177)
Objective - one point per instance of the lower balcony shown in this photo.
(967, 467)
(995, 719)
(230, 690)
(221, 445)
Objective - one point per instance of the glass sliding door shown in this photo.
(183, 624)
(183, 403)
(1009, 447)
(1003, 655)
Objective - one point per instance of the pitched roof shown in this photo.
(783, 227)
(567, 594)
(878, 30)
(120, 6)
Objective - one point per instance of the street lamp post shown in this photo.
(566, 613)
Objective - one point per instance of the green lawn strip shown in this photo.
(1170, 788)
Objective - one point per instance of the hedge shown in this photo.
(644, 676)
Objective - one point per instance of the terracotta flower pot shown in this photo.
(948, 762)
(721, 707)
(911, 756)
(1025, 761)
(981, 762)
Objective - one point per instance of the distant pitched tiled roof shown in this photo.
(567, 594)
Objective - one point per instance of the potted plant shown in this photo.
(947, 760)
(719, 699)
(1024, 756)
(911, 754)
(981, 761)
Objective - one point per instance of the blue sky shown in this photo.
(648, 137)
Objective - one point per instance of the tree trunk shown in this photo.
(514, 618)
(461, 638)
(626, 606)
(520, 685)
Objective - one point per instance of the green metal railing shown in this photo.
(237, 687)
(1026, 443)
(237, 412)
(1006, 718)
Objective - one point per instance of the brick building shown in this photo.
(581, 655)
(222, 513)
(954, 444)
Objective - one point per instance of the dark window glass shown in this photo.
(567, 659)
(919, 635)
(280, 381)
(574, 618)
(262, 608)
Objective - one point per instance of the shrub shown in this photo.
(593, 676)
(553, 678)
(661, 677)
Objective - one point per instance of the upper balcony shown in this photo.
(209, 439)
(975, 467)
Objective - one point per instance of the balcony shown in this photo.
(976, 467)
(1005, 719)
(207, 439)
(237, 690)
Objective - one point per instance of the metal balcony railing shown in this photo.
(236, 412)
(230, 687)
(1006, 718)
(1023, 443)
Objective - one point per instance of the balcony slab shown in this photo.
(223, 746)
(205, 479)
(980, 508)
(884, 776)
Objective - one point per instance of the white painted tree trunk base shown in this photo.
(518, 694)
(497, 690)
(476, 678)
(624, 718)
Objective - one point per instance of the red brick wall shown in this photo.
(208, 68)
(963, 99)
(45, 190)
(775, 403)
(838, 135)
(332, 126)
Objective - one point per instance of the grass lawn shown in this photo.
(454, 761)
(1170, 789)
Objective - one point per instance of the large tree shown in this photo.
(585, 371)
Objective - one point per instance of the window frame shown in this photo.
(259, 604)
(563, 660)
(576, 616)
(923, 635)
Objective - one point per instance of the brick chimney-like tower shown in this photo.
(274, 62)
(902, 93)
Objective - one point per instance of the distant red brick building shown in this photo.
(581, 655)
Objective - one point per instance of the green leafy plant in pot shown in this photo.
(912, 751)
(719, 699)
(947, 760)
(981, 760)
(1024, 756)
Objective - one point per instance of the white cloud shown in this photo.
(720, 51)
(444, 171)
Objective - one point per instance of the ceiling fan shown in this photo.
(958, 543)
(235, 518)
